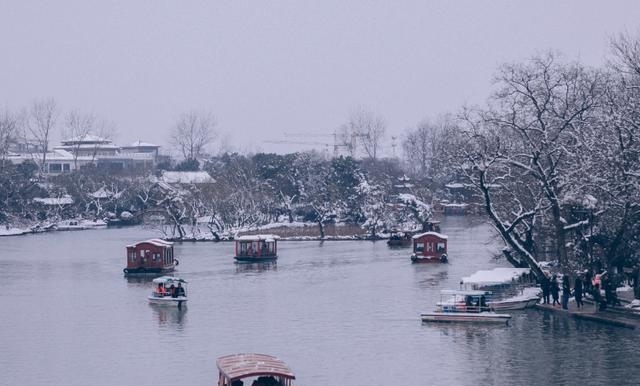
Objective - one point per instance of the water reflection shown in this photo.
(146, 279)
(354, 304)
(256, 267)
(170, 316)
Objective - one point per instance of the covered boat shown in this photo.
(430, 247)
(512, 288)
(400, 238)
(168, 291)
(256, 248)
(464, 306)
(265, 370)
(150, 257)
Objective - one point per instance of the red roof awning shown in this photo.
(238, 366)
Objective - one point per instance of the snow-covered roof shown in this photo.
(156, 242)
(440, 235)
(101, 193)
(142, 144)
(258, 238)
(502, 275)
(200, 177)
(86, 138)
(464, 292)
(168, 280)
(64, 200)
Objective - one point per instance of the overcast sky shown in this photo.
(283, 70)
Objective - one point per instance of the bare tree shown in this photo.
(78, 127)
(362, 127)
(8, 132)
(193, 132)
(626, 52)
(524, 153)
(427, 144)
(41, 120)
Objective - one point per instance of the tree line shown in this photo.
(551, 159)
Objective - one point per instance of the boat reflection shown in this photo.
(169, 315)
(140, 279)
(257, 267)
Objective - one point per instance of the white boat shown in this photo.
(464, 306)
(529, 297)
(166, 292)
(512, 289)
(76, 225)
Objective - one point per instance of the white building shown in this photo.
(76, 153)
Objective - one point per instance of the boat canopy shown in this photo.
(496, 276)
(268, 238)
(168, 280)
(156, 242)
(238, 366)
(465, 292)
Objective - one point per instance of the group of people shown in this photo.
(551, 290)
(583, 284)
(172, 291)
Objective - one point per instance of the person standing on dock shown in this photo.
(577, 291)
(566, 292)
(544, 285)
(597, 298)
(555, 290)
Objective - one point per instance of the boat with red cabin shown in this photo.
(256, 248)
(264, 370)
(430, 247)
(150, 257)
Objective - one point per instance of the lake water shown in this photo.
(339, 313)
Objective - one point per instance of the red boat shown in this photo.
(264, 370)
(150, 257)
(429, 247)
(256, 248)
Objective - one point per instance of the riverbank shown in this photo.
(621, 316)
(296, 231)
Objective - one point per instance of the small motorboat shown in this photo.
(241, 369)
(464, 306)
(400, 238)
(512, 288)
(78, 225)
(169, 291)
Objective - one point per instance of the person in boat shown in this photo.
(468, 302)
(481, 304)
(161, 291)
(177, 291)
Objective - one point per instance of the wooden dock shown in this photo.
(615, 316)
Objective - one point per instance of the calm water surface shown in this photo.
(340, 313)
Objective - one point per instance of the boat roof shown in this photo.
(168, 280)
(501, 275)
(465, 292)
(258, 238)
(156, 242)
(238, 366)
(431, 233)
